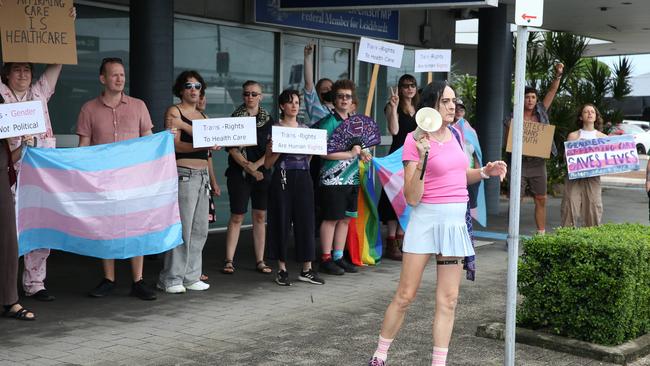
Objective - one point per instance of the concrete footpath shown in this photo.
(246, 319)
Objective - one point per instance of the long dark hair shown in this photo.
(432, 93)
(407, 78)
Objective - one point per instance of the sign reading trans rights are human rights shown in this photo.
(19, 119)
(606, 155)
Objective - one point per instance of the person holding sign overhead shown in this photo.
(246, 177)
(582, 197)
(291, 201)
(16, 86)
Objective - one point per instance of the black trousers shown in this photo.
(290, 205)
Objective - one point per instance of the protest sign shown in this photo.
(380, 52)
(432, 60)
(19, 119)
(229, 131)
(605, 155)
(299, 140)
(538, 138)
(38, 31)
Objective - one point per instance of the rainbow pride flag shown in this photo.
(364, 240)
(110, 201)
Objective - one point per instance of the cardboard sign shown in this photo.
(538, 139)
(432, 60)
(38, 31)
(230, 131)
(19, 119)
(605, 155)
(293, 140)
(380, 52)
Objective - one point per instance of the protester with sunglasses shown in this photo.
(114, 116)
(182, 267)
(247, 178)
(400, 114)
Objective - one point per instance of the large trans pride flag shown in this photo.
(390, 170)
(108, 201)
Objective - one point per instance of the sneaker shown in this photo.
(311, 277)
(176, 289)
(104, 288)
(347, 266)
(142, 291)
(43, 295)
(282, 278)
(331, 268)
(376, 362)
(198, 286)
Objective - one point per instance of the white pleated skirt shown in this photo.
(438, 228)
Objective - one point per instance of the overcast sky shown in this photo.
(640, 63)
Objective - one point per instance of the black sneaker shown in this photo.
(347, 266)
(311, 277)
(331, 268)
(43, 295)
(104, 288)
(142, 291)
(282, 278)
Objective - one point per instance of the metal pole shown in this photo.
(513, 224)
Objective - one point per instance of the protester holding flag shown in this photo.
(400, 114)
(291, 201)
(582, 197)
(437, 224)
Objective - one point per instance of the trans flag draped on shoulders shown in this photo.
(110, 201)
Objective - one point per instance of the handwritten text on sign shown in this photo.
(606, 155)
(18, 119)
(40, 31)
(299, 140)
(432, 60)
(232, 131)
(537, 139)
(380, 52)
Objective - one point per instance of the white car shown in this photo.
(641, 138)
(645, 125)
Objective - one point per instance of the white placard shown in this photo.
(229, 131)
(291, 140)
(19, 119)
(529, 12)
(432, 60)
(380, 52)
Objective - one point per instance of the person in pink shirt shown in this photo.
(437, 222)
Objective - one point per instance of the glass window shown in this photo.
(334, 60)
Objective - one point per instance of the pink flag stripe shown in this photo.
(95, 228)
(57, 180)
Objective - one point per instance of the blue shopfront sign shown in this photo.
(367, 23)
(375, 4)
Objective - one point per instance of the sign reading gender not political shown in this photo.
(19, 119)
(230, 131)
(39, 31)
(380, 52)
(538, 139)
(432, 60)
(299, 140)
(605, 155)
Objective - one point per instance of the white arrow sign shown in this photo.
(529, 12)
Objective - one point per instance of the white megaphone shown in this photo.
(428, 120)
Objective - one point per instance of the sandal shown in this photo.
(20, 314)
(263, 268)
(228, 267)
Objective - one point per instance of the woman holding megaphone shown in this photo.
(436, 175)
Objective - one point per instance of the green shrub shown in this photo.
(591, 284)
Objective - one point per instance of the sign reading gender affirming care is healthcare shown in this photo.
(606, 155)
(292, 140)
(229, 131)
(380, 52)
(19, 119)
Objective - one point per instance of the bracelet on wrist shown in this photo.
(482, 172)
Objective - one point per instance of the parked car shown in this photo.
(645, 125)
(641, 138)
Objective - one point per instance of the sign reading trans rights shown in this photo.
(19, 119)
(299, 140)
(377, 4)
(606, 155)
(230, 131)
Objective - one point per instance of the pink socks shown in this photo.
(439, 356)
(382, 348)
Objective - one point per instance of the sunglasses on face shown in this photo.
(409, 85)
(196, 86)
(344, 96)
(251, 94)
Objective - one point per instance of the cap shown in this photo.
(460, 102)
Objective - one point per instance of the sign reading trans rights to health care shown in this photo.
(299, 140)
(229, 131)
(606, 155)
(19, 119)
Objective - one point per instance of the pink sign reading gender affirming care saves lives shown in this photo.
(601, 156)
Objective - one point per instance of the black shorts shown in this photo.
(338, 202)
(240, 189)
